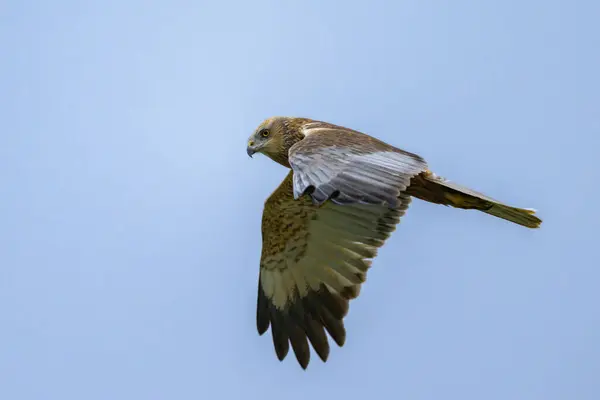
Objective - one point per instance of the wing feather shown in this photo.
(345, 166)
(314, 260)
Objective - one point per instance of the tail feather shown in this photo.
(521, 216)
(430, 187)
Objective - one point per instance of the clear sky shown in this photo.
(130, 212)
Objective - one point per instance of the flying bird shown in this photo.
(321, 228)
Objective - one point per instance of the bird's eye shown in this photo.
(264, 133)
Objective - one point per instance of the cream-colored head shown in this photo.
(274, 137)
(266, 138)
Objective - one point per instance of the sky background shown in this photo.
(130, 212)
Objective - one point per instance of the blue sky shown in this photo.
(130, 233)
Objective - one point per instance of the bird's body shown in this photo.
(322, 226)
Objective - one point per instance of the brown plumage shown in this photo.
(322, 226)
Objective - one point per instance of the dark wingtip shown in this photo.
(280, 336)
(262, 311)
(304, 320)
(309, 190)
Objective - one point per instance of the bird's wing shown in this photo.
(346, 166)
(314, 260)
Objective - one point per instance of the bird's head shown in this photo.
(274, 137)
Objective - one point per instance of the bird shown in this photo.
(321, 228)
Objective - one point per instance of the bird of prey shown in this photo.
(321, 228)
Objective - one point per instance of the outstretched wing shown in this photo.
(314, 260)
(345, 166)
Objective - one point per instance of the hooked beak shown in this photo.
(250, 149)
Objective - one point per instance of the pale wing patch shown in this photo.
(314, 127)
(340, 241)
(345, 176)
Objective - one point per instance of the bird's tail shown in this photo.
(430, 187)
